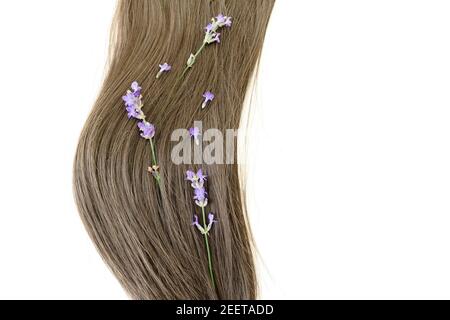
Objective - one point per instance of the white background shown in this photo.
(349, 164)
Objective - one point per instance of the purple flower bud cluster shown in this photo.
(133, 106)
(211, 34)
(198, 180)
(147, 129)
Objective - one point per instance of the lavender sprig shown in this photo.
(163, 68)
(211, 36)
(198, 180)
(133, 106)
(209, 96)
(195, 133)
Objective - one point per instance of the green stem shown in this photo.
(195, 56)
(200, 50)
(154, 162)
(211, 273)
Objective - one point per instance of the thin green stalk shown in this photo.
(211, 273)
(195, 57)
(200, 50)
(154, 161)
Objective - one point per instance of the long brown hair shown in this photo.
(143, 233)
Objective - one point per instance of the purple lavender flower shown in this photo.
(228, 22)
(130, 99)
(201, 177)
(211, 221)
(195, 133)
(136, 89)
(220, 19)
(195, 220)
(194, 177)
(209, 96)
(211, 34)
(212, 37)
(197, 179)
(211, 217)
(209, 27)
(133, 102)
(197, 224)
(223, 21)
(190, 175)
(200, 197)
(163, 68)
(200, 194)
(147, 129)
(216, 38)
(197, 182)
(134, 112)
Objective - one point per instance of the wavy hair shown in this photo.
(143, 231)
